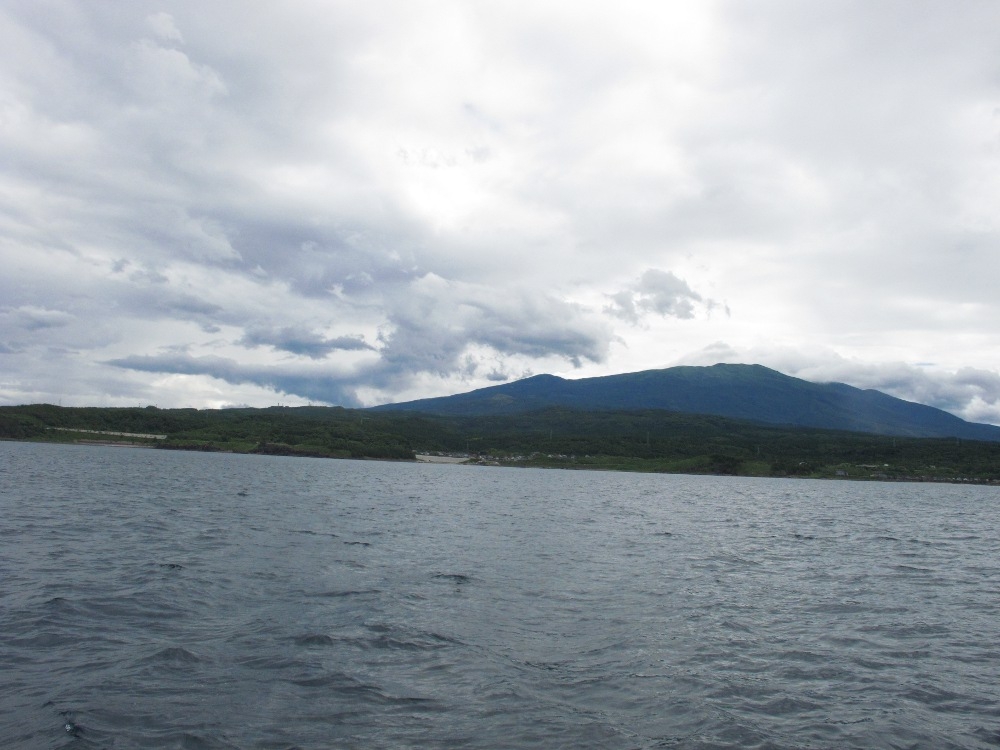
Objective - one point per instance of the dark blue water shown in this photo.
(152, 599)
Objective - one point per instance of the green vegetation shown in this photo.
(648, 440)
(322, 432)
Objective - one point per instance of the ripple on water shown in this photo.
(215, 601)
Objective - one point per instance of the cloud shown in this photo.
(657, 292)
(31, 318)
(433, 328)
(323, 386)
(302, 341)
(162, 24)
(434, 322)
(407, 199)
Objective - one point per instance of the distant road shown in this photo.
(109, 432)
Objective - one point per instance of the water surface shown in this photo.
(153, 599)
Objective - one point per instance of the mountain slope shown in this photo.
(750, 392)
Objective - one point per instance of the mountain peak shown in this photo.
(749, 392)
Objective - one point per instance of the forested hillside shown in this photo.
(640, 440)
(747, 392)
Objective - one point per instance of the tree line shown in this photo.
(642, 440)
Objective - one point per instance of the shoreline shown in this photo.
(428, 458)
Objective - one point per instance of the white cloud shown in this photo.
(414, 198)
(162, 25)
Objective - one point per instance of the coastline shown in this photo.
(429, 458)
(613, 465)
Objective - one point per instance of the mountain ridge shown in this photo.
(749, 392)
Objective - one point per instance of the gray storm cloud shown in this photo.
(302, 341)
(319, 386)
(436, 321)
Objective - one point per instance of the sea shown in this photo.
(161, 599)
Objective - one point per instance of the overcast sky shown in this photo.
(210, 204)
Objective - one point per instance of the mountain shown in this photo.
(749, 392)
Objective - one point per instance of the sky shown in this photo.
(330, 202)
